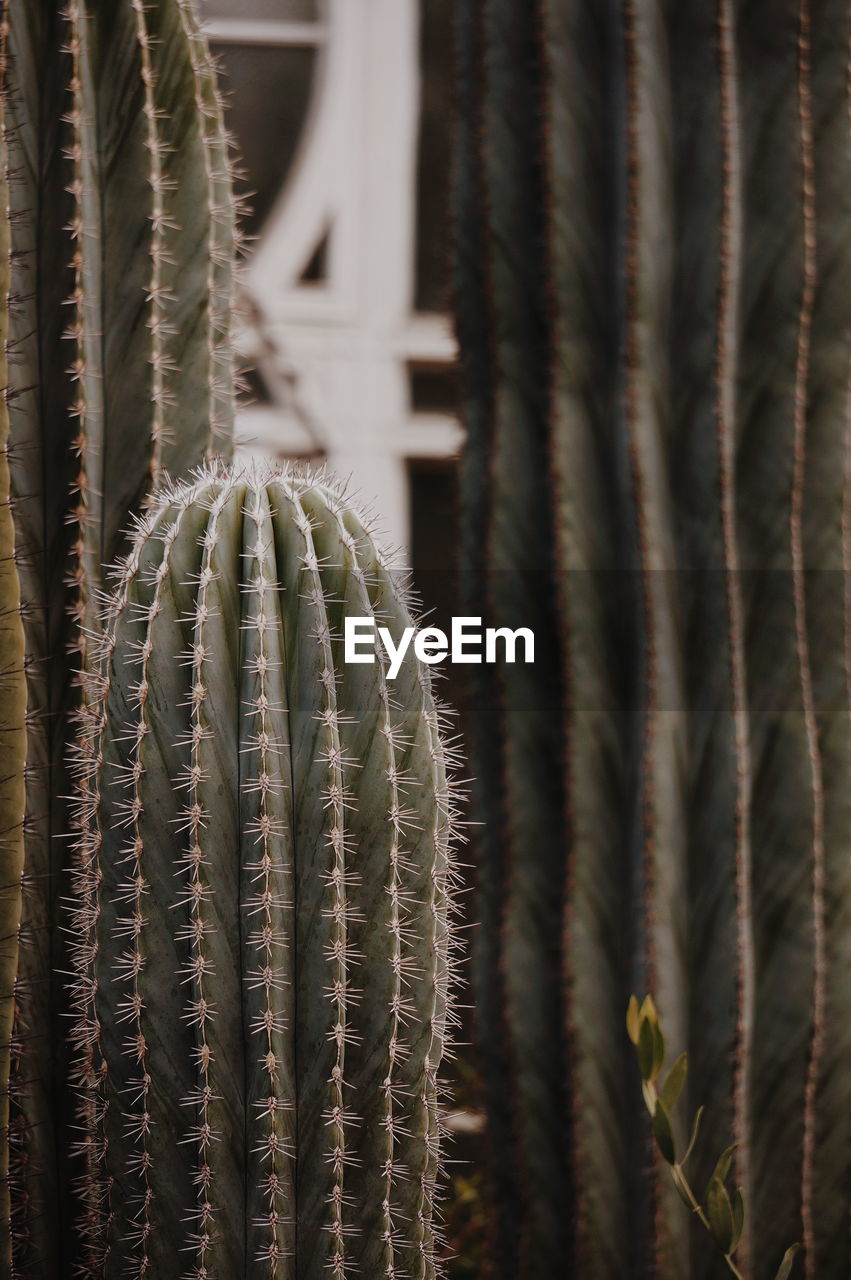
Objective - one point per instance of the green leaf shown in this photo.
(646, 1049)
(719, 1211)
(648, 1010)
(695, 1130)
(785, 1268)
(673, 1085)
(658, 1050)
(738, 1217)
(663, 1134)
(632, 1019)
(681, 1191)
(722, 1167)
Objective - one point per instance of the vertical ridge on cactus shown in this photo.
(224, 235)
(652, 220)
(826, 547)
(263, 903)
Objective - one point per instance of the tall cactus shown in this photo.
(652, 259)
(263, 928)
(121, 262)
(12, 746)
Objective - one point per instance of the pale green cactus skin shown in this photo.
(652, 261)
(263, 904)
(120, 370)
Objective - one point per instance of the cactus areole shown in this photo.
(263, 896)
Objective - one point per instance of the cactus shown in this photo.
(13, 740)
(653, 230)
(121, 263)
(263, 934)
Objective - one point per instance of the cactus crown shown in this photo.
(263, 901)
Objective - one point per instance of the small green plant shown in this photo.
(721, 1214)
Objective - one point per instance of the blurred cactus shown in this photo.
(121, 258)
(652, 256)
(263, 933)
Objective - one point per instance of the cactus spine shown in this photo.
(263, 903)
(652, 258)
(120, 370)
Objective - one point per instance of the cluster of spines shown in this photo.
(402, 962)
(271, 897)
(87, 408)
(269, 877)
(194, 821)
(90, 1068)
(441, 906)
(338, 911)
(225, 235)
(445, 883)
(158, 297)
(130, 928)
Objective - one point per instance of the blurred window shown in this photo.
(273, 10)
(269, 52)
(433, 492)
(432, 255)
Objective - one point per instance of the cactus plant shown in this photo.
(119, 241)
(653, 230)
(12, 746)
(263, 893)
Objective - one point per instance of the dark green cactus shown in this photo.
(13, 705)
(120, 370)
(263, 904)
(652, 264)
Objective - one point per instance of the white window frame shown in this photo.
(336, 354)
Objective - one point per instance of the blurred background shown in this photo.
(341, 110)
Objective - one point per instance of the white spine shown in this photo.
(339, 957)
(193, 821)
(267, 941)
(130, 963)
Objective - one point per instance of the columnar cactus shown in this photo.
(121, 261)
(653, 253)
(12, 750)
(263, 934)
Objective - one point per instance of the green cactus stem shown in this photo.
(263, 903)
(652, 256)
(120, 372)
